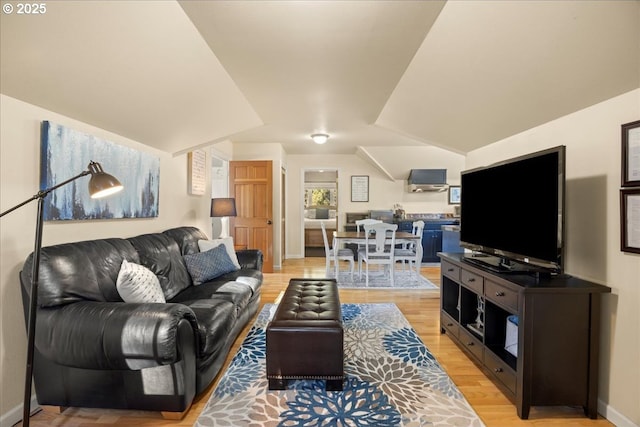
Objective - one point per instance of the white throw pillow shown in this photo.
(136, 283)
(206, 245)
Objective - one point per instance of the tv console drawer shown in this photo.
(472, 281)
(449, 324)
(501, 295)
(500, 370)
(450, 270)
(471, 343)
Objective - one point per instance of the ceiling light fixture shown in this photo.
(319, 138)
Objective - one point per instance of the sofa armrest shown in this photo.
(250, 258)
(108, 335)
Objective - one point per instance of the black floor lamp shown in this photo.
(101, 184)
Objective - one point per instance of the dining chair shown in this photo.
(412, 252)
(361, 223)
(366, 221)
(344, 254)
(380, 240)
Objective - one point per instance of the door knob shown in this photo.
(269, 222)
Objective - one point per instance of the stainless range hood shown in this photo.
(424, 180)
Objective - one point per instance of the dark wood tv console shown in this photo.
(557, 333)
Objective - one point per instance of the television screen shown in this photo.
(514, 209)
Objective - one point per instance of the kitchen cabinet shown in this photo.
(431, 245)
(432, 236)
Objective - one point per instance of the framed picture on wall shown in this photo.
(196, 172)
(359, 188)
(630, 220)
(66, 149)
(631, 154)
(454, 194)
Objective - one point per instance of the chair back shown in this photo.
(418, 228)
(380, 238)
(367, 221)
(327, 249)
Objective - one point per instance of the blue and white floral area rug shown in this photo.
(391, 380)
(402, 279)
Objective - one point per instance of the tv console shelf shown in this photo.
(557, 333)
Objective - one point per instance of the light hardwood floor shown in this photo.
(421, 308)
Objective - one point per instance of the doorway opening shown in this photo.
(320, 205)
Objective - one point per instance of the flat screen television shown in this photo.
(512, 213)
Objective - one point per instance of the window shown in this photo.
(325, 197)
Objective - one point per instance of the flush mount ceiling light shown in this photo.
(319, 138)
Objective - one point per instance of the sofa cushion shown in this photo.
(206, 245)
(80, 271)
(228, 290)
(161, 254)
(186, 238)
(208, 265)
(216, 318)
(136, 283)
(253, 282)
(237, 293)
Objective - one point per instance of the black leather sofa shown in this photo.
(94, 350)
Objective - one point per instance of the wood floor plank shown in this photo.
(421, 308)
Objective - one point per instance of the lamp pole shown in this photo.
(103, 181)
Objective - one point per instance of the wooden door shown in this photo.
(251, 183)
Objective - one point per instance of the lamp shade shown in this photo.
(101, 183)
(223, 207)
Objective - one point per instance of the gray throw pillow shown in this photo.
(322, 213)
(206, 245)
(208, 265)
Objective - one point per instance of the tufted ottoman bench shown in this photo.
(304, 338)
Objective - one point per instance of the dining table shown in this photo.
(359, 237)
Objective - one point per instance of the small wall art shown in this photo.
(197, 170)
(630, 220)
(65, 152)
(454, 194)
(631, 154)
(359, 188)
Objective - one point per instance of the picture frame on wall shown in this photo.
(359, 188)
(630, 220)
(66, 149)
(631, 154)
(454, 194)
(197, 172)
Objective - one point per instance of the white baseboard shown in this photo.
(9, 419)
(615, 417)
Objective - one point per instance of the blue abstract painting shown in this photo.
(66, 152)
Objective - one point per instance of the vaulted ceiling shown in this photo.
(452, 74)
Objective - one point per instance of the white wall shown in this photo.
(383, 192)
(19, 179)
(592, 138)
